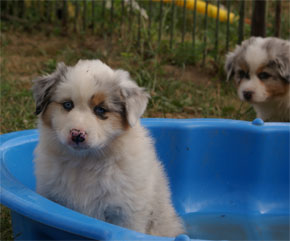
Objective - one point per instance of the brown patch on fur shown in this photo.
(274, 85)
(117, 120)
(97, 99)
(277, 88)
(261, 68)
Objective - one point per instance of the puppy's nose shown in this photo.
(78, 136)
(248, 95)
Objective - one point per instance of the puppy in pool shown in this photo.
(93, 155)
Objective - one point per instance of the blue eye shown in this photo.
(100, 111)
(68, 105)
(264, 75)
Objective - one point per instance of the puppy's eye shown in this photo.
(243, 74)
(264, 75)
(99, 111)
(68, 105)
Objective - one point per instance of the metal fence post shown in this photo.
(228, 25)
(112, 17)
(93, 15)
(241, 21)
(278, 18)
(64, 15)
(172, 24)
(205, 34)
(160, 22)
(103, 14)
(85, 15)
(122, 16)
(76, 16)
(183, 21)
(194, 28)
(149, 20)
(139, 30)
(258, 27)
(217, 30)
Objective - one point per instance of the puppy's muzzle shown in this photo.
(78, 136)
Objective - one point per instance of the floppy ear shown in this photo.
(283, 66)
(135, 98)
(229, 65)
(44, 86)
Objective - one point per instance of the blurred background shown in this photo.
(176, 49)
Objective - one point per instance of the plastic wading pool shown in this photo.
(229, 181)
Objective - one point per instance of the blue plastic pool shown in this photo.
(229, 181)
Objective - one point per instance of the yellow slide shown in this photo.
(200, 7)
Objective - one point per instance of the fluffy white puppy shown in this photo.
(93, 155)
(261, 68)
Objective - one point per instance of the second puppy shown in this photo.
(93, 155)
(261, 69)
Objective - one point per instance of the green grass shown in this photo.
(5, 224)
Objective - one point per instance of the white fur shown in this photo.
(116, 177)
(255, 55)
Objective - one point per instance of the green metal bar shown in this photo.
(149, 20)
(64, 16)
(217, 30)
(48, 11)
(205, 34)
(122, 12)
(160, 22)
(112, 11)
(76, 15)
(241, 22)
(103, 14)
(172, 25)
(85, 15)
(183, 21)
(112, 17)
(194, 27)
(228, 25)
(93, 15)
(139, 30)
(38, 11)
(130, 16)
(278, 18)
(122, 18)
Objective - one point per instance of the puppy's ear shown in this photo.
(135, 98)
(230, 65)
(44, 86)
(283, 66)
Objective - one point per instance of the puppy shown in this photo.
(261, 68)
(93, 155)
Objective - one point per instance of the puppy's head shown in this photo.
(86, 106)
(261, 69)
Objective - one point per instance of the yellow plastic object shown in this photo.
(200, 7)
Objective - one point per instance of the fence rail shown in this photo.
(199, 30)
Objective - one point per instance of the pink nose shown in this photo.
(78, 136)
